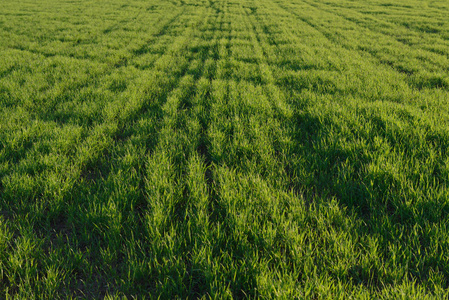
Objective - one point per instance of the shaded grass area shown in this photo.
(223, 149)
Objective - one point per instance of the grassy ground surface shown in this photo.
(224, 149)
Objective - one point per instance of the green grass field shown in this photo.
(275, 149)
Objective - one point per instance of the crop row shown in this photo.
(224, 149)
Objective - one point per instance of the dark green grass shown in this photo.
(224, 149)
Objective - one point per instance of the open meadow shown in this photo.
(224, 149)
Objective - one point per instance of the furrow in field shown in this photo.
(177, 187)
(243, 113)
(109, 106)
(95, 146)
(174, 111)
(423, 78)
(379, 30)
(417, 17)
(275, 94)
(58, 95)
(374, 83)
(316, 51)
(84, 40)
(156, 86)
(338, 83)
(311, 121)
(218, 149)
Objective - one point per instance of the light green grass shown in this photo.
(224, 149)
